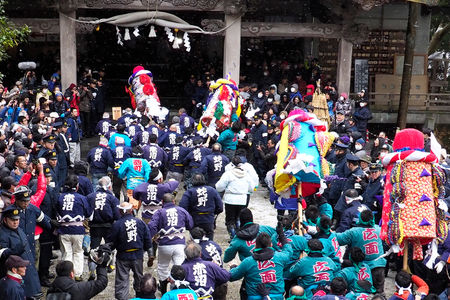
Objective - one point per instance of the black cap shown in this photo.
(15, 261)
(270, 126)
(50, 138)
(352, 157)
(50, 154)
(385, 147)
(22, 193)
(11, 212)
(47, 172)
(257, 117)
(375, 167)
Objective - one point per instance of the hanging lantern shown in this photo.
(152, 32)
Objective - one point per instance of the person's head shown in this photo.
(312, 213)
(168, 198)
(73, 112)
(71, 183)
(359, 144)
(22, 195)
(125, 208)
(148, 286)
(121, 128)
(356, 255)
(375, 171)
(338, 286)
(9, 183)
(156, 176)
(403, 281)
(16, 265)
(216, 147)
(197, 233)
(263, 240)
(65, 269)
(324, 224)
(315, 245)
(52, 158)
(192, 251)
(137, 151)
(352, 164)
(22, 120)
(366, 217)
(198, 179)
(340, 116)
(152, 138)
(236, 161)
(245, 216)
(271, 143)
(80, 168)
(20, 162)
(177, 276)
(236, 126)
(296, 290)
(11, 217)
(181, 111)
(351, 195)
(427, 133)
(105, 183)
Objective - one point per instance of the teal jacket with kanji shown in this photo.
(244, 241)
(355, 273)
(368, 240)
(312, 271)
(330, 246)
(264, 266)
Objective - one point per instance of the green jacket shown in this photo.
(368, 240)
(313, 270)
(244, 241)
(353, 274)
(264, 266)
(298, 243)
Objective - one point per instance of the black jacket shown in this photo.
(81, 290)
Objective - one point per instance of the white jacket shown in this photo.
(250, 172)
(237, 184)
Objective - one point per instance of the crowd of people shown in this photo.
(151, 190)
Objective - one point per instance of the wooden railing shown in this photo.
(385, 102)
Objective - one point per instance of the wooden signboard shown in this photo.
(361, 75)
(116, 113)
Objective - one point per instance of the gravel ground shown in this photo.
(263, 213)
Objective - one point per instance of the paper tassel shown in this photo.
(126, 36)
(119, 36)
(176, 44)
(425, 173)
(311, 144)
(188, 49)
(136, 31)
(152, 32)
(424, 198)
(425, 223)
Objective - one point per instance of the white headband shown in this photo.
(401, 290)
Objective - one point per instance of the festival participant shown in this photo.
(229, 139)
(167, 226)
(179, 287)
(338, 288)
(350, 216)
(373, 195)
(236, 185)
(155, 155)
(104, 125)
(72, 209)
(265, 266)
(119, 138)
(136, 170)
(244, 241)
(131, 237)
(213, 165)
(192, 162)
(203, 276)
(358, 271)
(74, 136)
(101, 161)
(403, 284)
(366, 236)
(203, 203)
(175, 160)
(314, 269)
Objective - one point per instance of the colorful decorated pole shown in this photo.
(413, 201)
(301, 165)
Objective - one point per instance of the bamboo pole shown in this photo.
(300, 208)
(405, 256)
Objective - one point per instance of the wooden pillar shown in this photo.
(232, 47)
(68, 47)
(344, 66)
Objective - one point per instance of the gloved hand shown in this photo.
(281, 236)
(439, 266)
(55, 223)
(312, 230)
(263, 290)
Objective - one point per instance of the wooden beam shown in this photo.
(314, 30)
(165, 5)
